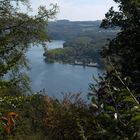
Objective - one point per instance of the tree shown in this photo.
(124, 49)
(117, 94)
(18, 31)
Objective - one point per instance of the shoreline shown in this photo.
(96, 65)
(86, 65)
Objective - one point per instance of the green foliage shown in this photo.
(69, 30)
(58, 54)
(84, 41)
(117, 93)
(124, 49)
(115, 109)
(42, 117)
(81, 49)
(17, 32)
(9, 112)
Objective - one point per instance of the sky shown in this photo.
(78, 10)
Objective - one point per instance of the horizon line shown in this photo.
(74, 20)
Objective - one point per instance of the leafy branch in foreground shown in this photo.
(117, 108)
(117, 94)
(18, 31)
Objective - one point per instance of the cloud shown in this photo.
(78, 9)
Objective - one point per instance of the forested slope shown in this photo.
(84, 41)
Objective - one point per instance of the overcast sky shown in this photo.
(78, 9)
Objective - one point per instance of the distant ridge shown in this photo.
(68, 30)
(68, 21)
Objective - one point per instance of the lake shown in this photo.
(56, 78)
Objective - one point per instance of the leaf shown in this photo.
(127, 80)
(7, 130)
(105, 116)
(94, 105)
(136, 118)
(109, 108)
(129, 99)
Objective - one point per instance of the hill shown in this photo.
(84, 41)
(68, 30)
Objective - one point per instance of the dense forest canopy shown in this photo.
(68, 30)
(84, 41)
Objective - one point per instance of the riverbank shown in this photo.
(77, 63)
(91, 64)
(81, 51)
(57, 78)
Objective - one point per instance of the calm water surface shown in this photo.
(56, 78)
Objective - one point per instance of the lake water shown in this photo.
(57, 78)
